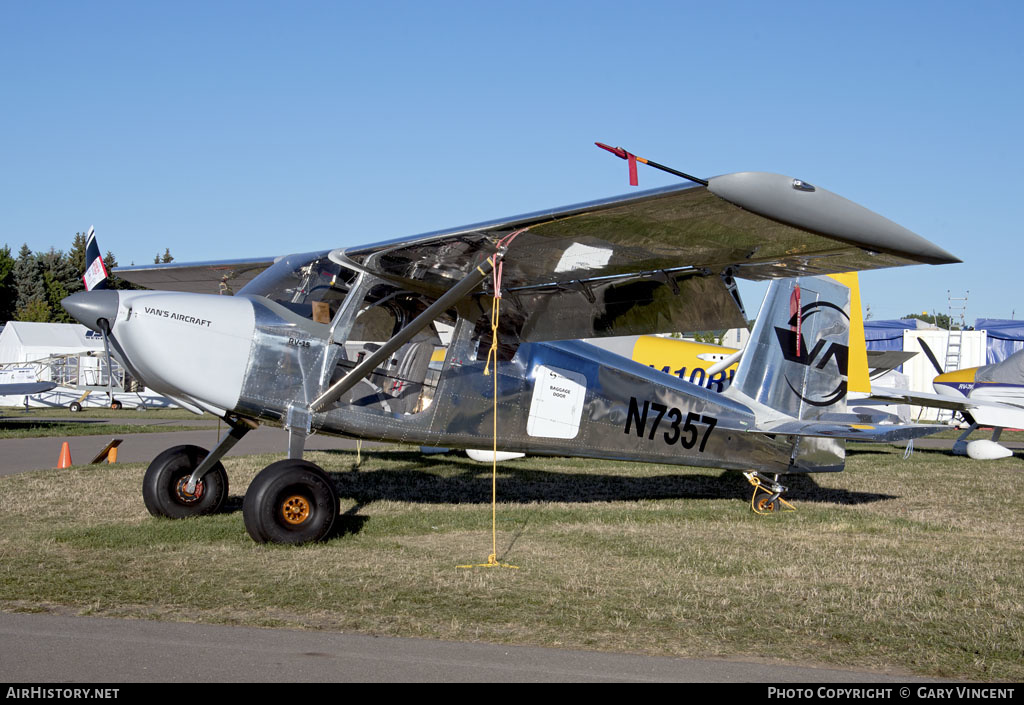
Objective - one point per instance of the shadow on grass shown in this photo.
(449, 479)
(467, 482)
(896, 453)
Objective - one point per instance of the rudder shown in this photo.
(798, 358)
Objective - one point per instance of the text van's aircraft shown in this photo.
(340, 341)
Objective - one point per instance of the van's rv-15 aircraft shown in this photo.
(340, 341)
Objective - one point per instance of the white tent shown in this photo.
(79, 352)
(24, 342)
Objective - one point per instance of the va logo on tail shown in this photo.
(794, 349)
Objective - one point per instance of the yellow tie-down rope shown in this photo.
(753, 479)
(492, 560)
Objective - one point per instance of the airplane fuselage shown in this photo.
(249, 356)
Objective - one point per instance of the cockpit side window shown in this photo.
(311, 285)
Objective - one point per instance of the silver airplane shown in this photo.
(408, 341)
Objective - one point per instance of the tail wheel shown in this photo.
(164, 485)
(291, 502)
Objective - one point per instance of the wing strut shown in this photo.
(443, 303)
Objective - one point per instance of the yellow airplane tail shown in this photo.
(858, 379)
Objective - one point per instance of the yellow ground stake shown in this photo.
(492, 560)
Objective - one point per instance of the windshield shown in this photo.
(310, 284)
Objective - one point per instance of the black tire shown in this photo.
(116, 405)
(764, 506)
(163, 487)
(291, 502)
(75, 407)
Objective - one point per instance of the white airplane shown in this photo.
(990, 396)
(339, 341)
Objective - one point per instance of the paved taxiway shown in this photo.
(38, 648)
(21, 454)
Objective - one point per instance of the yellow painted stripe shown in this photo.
(858, 379)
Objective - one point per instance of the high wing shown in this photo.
(217, 277)
(655, 261)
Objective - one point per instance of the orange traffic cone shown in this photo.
(112, 455)
(65, 456)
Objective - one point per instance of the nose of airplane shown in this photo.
(90, 307)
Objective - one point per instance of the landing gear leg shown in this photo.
(767, 497)
(960, 444)
(239, 427)
(186, 481)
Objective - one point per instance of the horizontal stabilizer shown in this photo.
(871, 432)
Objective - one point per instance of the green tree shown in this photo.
(28, 280)
(712, 337)
(113, 281)
(8, 291)
(939, 319)
(37, 310)
(59, 281)
(77, 254)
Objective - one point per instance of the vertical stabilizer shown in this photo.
(798, 358)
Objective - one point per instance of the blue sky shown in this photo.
(234, 129)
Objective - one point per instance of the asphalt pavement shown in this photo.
(43, 648)
(21, 454)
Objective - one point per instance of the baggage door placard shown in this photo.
(557, 404)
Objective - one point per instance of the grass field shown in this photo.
(91, 413)
(61, 423)
(63, 429)
(909, 566)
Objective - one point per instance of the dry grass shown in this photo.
(901, 565)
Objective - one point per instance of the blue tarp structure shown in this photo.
(1004, 337)
(888, 335)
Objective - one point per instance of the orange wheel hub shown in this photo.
(296, 510)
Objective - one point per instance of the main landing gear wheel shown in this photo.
(116, 405)
(164, 486)
(74, 406)
(290, 501)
